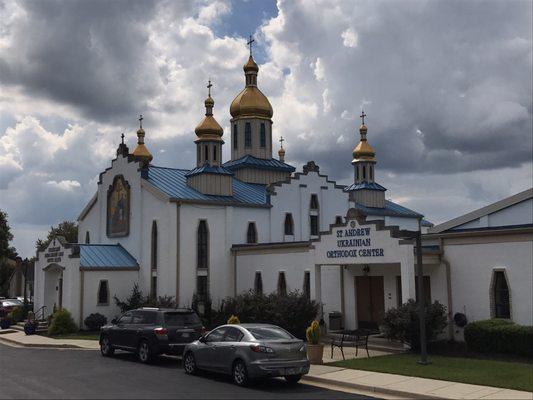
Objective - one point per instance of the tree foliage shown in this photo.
(6, 252)
(66, 229)
(138, 300)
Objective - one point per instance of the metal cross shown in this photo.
(363, 115)
(250, 43)
(209, 85)
(122, 137)
(281, 140)
(141, 121)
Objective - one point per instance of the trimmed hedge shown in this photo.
(62, 323)
(499, 336)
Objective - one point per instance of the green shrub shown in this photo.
(499, 336)
(62, 323)
(94, 322)
(138, 300)
(293, 311)
(403, 324)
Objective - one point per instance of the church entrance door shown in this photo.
(370, 301)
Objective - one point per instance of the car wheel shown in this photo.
(239, 373)
(144, 352)
(189, 364)
(292, 379)
(106, 348)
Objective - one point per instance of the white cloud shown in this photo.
(66, 185)
(349, 38)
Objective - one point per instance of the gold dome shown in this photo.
(209, 128)
(141, 153)
(281, 151)
(363, 151)
(251, 65)
(251, 102)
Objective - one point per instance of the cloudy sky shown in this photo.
(447, 86)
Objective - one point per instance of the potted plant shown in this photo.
(315, 350)
(5, 322)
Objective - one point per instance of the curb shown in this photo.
(46, 345)
(368, 388)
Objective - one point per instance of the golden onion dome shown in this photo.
(251, 65)
(363, 151)
(281, 152)
(209, 128)
(141, 152)
(251, 102)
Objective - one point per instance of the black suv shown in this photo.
(151, 331)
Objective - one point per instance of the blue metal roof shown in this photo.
(106, 256)
(391, 209)
(364, 185)
(173, 182)
(249, 161)
(208, 169)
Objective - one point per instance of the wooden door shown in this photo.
(370, 301)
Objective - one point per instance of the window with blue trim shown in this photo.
(247, 135)
(263, 135)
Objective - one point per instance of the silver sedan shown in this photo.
(248, 351)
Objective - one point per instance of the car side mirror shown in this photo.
(114, 321)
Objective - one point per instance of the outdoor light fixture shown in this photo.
(366, 269)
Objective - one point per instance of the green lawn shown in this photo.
(511, 375)
(79, 335)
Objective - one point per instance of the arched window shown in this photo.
(289, 224)
(371, 169)
(338, 220)
(357, 173)
(500, 295)
(202, 245)
(263, 135)
(87, 238)
(282, 284)
(206, 153)
(235, 137)
(364, 173)
(214, 153)
(307, 284)
(247, 135)
(314, 202)
(251, 233)
(258, 283)
(153, 247)
(202, 287)
(103, 293)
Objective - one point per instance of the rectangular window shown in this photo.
(258, 283)
(282, 284)
(314, 225)
(214, 153)
(399, 301)
(103, 293)
(263, 135)
(247, 135)
(314, 202)
(502, 308)
(202, 245)
(307, 285)
(235, 137)
(289, 224)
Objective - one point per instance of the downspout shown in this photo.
(81, 298)
(448, 289)
(178, 230)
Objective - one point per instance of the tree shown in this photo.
(67, 229)
(6, 253)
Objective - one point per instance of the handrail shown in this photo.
(42, 316)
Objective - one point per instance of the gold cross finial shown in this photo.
(209, 85)
(141, 121)
(363, 115)
(281, 140)
(250, 43)
(122, 137)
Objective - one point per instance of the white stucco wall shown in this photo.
(471, 272)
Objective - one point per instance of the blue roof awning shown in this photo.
(104, 256)
(208, 169)
(391, 209)
(365, 185)
(249, 161)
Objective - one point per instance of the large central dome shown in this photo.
(251, 102)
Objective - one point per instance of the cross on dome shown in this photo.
(141, 121)
(281, 140)
(363, 115)
(122, 137)
(209, 86)
(250, 42)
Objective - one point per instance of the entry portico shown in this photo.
(357, 247)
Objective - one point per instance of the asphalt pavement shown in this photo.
(68, 373)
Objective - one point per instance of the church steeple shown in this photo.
(209, 132)
(141, 153)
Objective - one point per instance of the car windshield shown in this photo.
(182, 319)
(269, 332)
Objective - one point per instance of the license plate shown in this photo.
(185, 334)
(291, 371)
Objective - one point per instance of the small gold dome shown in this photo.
(142, 153)
(251, 102)
(363, 128)
(363, 151)
(209, 128)
(281, 152)
(251, 65)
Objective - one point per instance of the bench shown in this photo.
(351, 338)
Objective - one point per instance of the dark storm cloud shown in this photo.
(92, 55)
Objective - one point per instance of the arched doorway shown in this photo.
(53, 287)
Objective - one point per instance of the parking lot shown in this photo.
(54, 373)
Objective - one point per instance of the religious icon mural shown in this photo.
(118, 208)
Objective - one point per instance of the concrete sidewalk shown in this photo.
(406, 386)
(20, 338)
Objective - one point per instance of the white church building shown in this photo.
(254, 223)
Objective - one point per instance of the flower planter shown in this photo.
(5, 323)
(315, 353)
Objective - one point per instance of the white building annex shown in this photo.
(253, 223)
